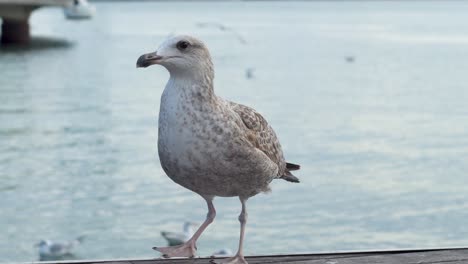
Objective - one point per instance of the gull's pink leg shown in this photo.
(239, 257)
(189, 248)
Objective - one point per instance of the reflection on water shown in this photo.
(382, 141)
(37, 44)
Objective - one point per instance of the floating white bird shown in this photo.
(50, 250)
(177, 238)
(207, 144)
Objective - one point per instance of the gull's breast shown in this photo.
(201, 147)
(188, 141)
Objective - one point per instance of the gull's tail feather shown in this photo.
(292, 166)
(289, 177)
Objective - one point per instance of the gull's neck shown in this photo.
(192, 84)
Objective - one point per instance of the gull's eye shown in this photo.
(182, 45)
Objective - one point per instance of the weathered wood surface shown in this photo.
(423, 256)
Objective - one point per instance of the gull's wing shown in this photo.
(60, 248)
(263, 137)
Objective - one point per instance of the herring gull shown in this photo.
(209, 145)
(177, 238)
(51, 250)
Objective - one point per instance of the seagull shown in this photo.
(249, 73)
(49, 250)
(176, 238)
(209, 145)
(349, 59)
(223, 28)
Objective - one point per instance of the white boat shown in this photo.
(79, 9)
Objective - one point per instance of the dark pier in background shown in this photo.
(15, 18)
(420, 256)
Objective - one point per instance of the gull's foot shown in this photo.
(237, 259)
(187, 250)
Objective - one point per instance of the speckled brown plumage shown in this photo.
(263, 137)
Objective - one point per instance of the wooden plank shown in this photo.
(419, 256)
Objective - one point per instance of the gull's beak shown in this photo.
(148, 59)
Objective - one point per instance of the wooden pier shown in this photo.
(420, 256)
(15, 15)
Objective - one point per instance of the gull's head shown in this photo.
(179, 54)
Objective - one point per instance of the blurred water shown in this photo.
(382, 140)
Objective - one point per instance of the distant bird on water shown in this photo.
(350, 59)
(52, 250)
(224, 252)
(177, 238)
(249, 73)
(210, 145)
